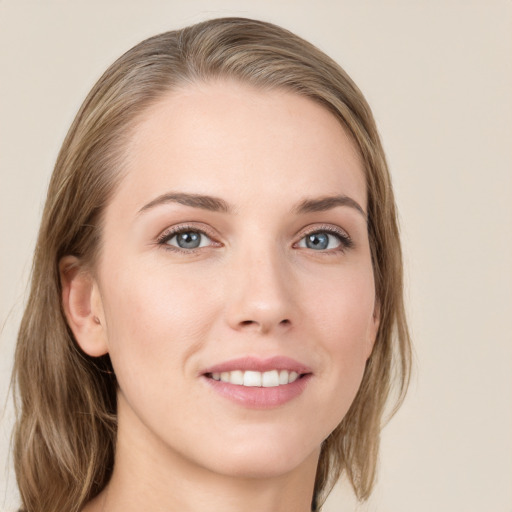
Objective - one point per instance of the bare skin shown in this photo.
(282, 269)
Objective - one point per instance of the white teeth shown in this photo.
(237, 377)
(270, 379)
(283, 377)
(252, 379)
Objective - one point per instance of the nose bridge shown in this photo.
(261, 298)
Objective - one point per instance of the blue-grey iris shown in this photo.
(188, 240)
(317, 241)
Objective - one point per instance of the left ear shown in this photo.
(373, 329)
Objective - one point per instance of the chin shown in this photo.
(268, 458)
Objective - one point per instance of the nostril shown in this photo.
(247, 323)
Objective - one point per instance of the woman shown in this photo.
(216, 315)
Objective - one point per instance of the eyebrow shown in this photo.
(210, 203)
(216, 204)
(323, 204)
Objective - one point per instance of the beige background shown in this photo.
(438, 75)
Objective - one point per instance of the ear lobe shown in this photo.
(81, 301)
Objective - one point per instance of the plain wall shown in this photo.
(438, 76)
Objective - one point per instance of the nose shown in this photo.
(261, 295)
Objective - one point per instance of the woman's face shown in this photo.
(235, 284)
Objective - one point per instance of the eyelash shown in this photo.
(345, 241)
(176, 230)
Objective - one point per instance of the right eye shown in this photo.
(187, 239)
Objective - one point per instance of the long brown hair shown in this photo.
(64, 438)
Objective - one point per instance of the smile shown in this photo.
(268, 379)
(255, 383)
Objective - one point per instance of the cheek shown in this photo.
(344, 308)
(344, 315)
(154, 317)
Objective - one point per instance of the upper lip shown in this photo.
(250, 363)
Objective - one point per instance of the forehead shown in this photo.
(227, 138)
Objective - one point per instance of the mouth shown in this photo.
(257, 383)
(255, 379)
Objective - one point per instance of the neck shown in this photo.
(150, 476)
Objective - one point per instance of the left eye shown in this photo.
(320, 241)
(189, 240)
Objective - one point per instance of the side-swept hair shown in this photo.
(64, 438)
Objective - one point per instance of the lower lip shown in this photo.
(259, 397)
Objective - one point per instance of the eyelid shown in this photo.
(172, 231)
(345, 239)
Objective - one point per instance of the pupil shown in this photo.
(189, 240)
(317, 241)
